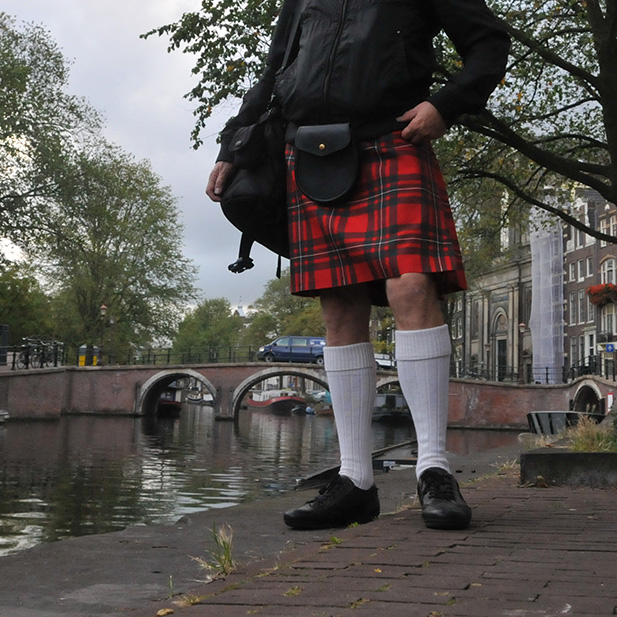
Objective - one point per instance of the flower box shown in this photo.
(602, 294)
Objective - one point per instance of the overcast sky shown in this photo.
(139, 88)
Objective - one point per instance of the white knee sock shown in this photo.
(352, 379)
(423, 361)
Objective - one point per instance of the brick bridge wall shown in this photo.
(48, 393)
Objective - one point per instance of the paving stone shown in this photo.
(529, 552)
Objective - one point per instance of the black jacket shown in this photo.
(369, 61)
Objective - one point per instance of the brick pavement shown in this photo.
(529, 552)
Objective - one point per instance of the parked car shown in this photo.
(385, 361)
(293, 349)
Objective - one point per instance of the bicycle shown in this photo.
(23, 359)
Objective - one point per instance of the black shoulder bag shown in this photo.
(255, 200)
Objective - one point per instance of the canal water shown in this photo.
(91, 474)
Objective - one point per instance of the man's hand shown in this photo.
(220, 174)
(424, 124)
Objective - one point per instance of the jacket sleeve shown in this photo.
(483, 45)
(256, 100)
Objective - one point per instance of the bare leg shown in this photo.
(346, 313)
(414, 302)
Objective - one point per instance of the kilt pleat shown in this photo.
(396, 220)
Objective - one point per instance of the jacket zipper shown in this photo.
(333, 50)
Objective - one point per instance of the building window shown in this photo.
(573, 351)
(589, 266)
(572, 306)
(607, 271)
(526, 305)
(604, 230)
(475, 319)
(581, 346)
(591, 310)
(608, 318)
(581, 270)
(582, 306)
(572, 273)
(613, 223)
(580, 238)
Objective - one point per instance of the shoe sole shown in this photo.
(323, 524)
(436, 522)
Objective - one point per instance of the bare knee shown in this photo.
(414, 302)
(346, 312)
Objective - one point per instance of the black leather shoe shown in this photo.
(443, 506)
(339, 504)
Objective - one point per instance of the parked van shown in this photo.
(385, 361)
(293, 349)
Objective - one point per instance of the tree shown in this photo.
(24, 307)
(552, 123)
(41, 126)
(230, 40)
(307, 321)
(102, 226)
(112, 237)
(206, 329)
(261, 328)
(278, 312)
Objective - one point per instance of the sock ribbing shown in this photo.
(423, 362)
(352, 380)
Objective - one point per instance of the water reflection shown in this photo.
(93, 474)
(463, 441)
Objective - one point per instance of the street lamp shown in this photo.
(109, 322)
(521, 367)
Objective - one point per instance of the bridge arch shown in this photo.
(587, 398)
(317, 375)
(386, 380)
(149, 392)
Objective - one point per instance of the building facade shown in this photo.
(495, 329)
(490, 321)
(590, 265)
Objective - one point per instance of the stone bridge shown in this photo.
(134, 389)
(49, 393)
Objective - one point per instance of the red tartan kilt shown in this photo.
(396, 220)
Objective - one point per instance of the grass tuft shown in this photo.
(588, 436)
(220, 562)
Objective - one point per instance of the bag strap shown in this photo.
(244, 261)
(294, 37)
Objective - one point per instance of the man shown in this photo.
(392, 241)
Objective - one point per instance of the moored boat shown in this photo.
(391, 407)
(277, 401)
(170, 401)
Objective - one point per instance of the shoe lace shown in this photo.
(329, 492)
(439, 486)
